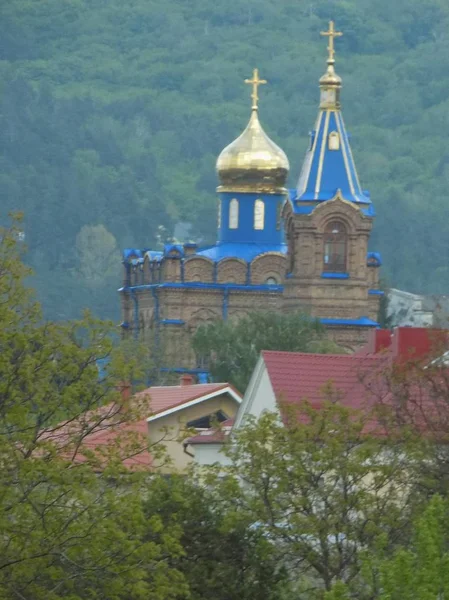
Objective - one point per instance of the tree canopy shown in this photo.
(112, 115)
(71, 516)
(231, 348)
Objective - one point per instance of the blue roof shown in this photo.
(361, 322)
(326, 171)
(374, 259)
(176, 248)
(247, 252)
(131, 253)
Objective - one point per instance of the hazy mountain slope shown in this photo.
(113, 113)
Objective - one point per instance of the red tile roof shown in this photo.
(151, 401)
(163, 398)
(297, 376)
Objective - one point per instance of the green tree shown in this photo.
(232, 348)
(71, 518)
(420, 571)
(324, 489)
(223, 556)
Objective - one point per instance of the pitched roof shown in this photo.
(108, 429)
(326, 171)
(163, 398)
(298, 376)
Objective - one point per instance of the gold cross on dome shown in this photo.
(255, 82)
(331, 34)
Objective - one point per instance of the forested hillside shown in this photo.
(112, 114)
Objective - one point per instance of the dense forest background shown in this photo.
(112, 114)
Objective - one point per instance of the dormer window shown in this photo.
(234, 214)
(334, 140)
(259, 214)
(335, 247)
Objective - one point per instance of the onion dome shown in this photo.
(253, 162)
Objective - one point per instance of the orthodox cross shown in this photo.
(255, 82)
(331, 34)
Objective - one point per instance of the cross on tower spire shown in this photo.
(255, 82)
(331, 34)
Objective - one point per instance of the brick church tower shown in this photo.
(324, 268)
(328, 219)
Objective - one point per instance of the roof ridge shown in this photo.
(316, 354)
(171, 387)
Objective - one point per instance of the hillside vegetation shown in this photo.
(112, 114)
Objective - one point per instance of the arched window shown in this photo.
(335, 247)
(259, 214)
(271, 281)
(234, 214)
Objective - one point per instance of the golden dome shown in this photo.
(253, 162)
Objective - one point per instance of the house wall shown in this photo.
(171, 429)
(208, 454)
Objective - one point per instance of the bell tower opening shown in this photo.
(335, 247)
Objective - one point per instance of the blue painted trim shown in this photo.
(183, 370)
(225, 304)
(376, 292)
(156, 313)
(136, 312)
(335, 275)
(362, 322)
(307, 210)
(206, 286)
(172, 322)
(376, 259)
(124, 325)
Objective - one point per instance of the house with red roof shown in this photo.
(159, 415)
(177, 410)
(356, 380)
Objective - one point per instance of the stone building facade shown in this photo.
(277, 249)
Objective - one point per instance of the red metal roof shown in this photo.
(297, 376)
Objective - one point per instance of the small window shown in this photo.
(271, 281)
(219, 215)
(259, 214)
(234, 214)
(207, 421)
(335, 247)
(334, 141)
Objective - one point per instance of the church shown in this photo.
(301, 249)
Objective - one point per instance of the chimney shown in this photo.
(411, 343)
(186, 379)
(381, 341)
(125, 390)
(378, 340)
